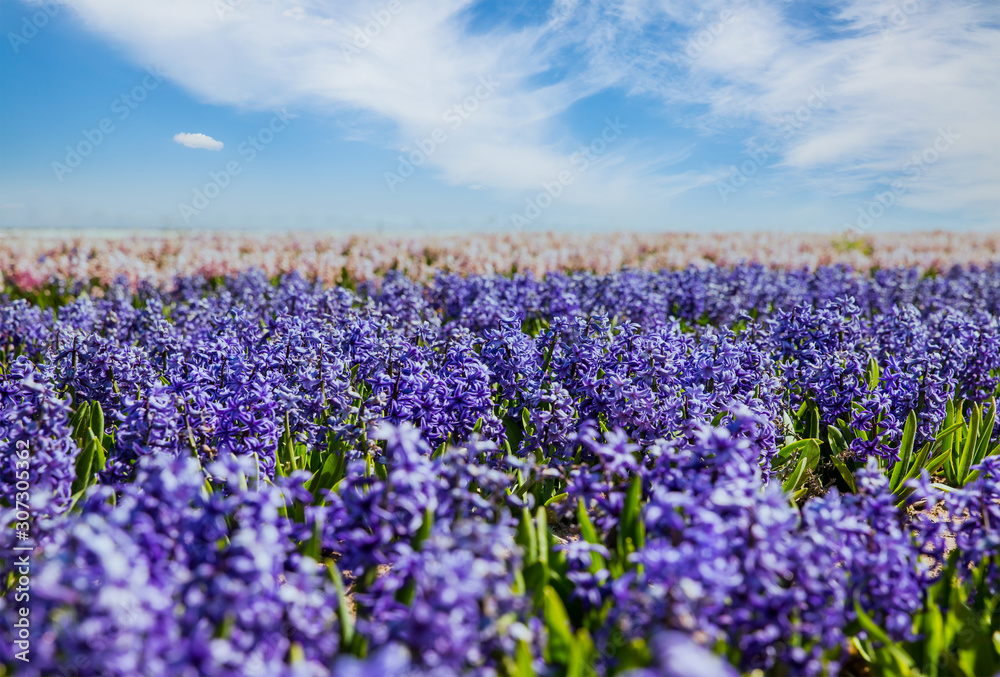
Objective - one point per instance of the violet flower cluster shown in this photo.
(489, 475)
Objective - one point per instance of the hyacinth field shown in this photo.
(644, 456)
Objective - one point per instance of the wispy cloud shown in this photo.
(197, 141)
(723, 70)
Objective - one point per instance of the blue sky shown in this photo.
(445, 115)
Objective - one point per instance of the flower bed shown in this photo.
(701, 471)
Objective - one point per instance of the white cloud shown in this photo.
(421, 63)
(893, 76)
(197, 141)
(892, 79)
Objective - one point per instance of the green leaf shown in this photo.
(808, 451)
(589, 534)
(795, 449)
(935, 463)
(789, 425)
(844, 472)
(949, 415)
(870, 626)
(313, 546)
(78, 413)
(966, 648)
(284, 461)
(100, 460)
(631, 536)
(957, 442)
(587, 530)
(542, 534)
(968, 449)
(225, 629)
(536, 579)
(425, 529)
(862, 651)
(873, 374)
(905, 452)
(558, 625)
(904, 664)
(441, 448)
(526, 537)
(985, 434)
(635, 654)
(580, 655)
(556, 499)
(916, 465)
(325, 478)
(82, 413)
(837, 447)
(813, 430)
(97, 422)
(343, 606)
(834, 434)
(522, 658)
(802, 410)
(515, 431)
(80, 422)
(974, 474)
(933, 636)
(405, 594)
(787, 454)
(290, 446)
(84, 464)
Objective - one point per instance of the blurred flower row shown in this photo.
(31, 259)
